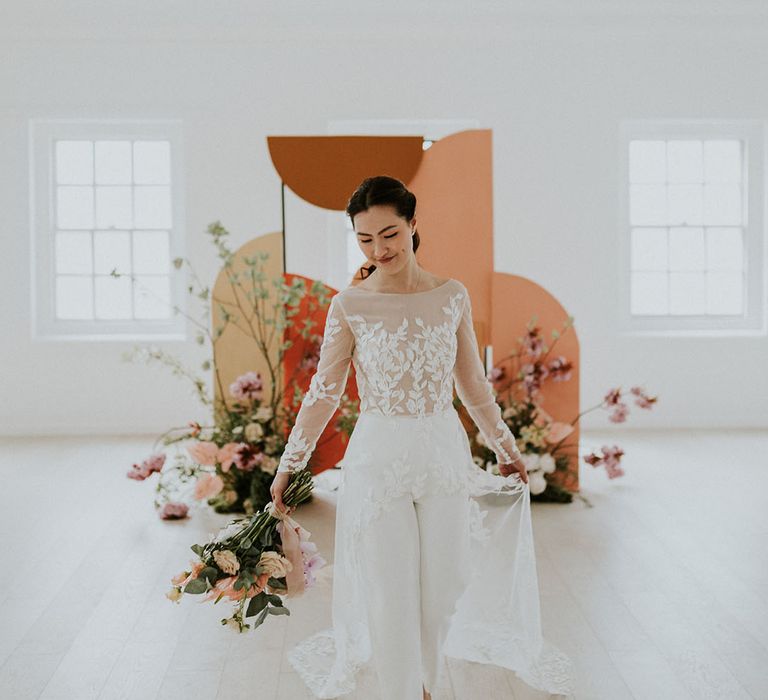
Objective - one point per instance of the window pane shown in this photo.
(113, 207)
(152, 162)
(74, 297)
(725, 249)
(649, 249)
(152, 297)
(687, 293)
(685, 204)
(112, 249)
(74, 162)
(74, 207)
(685, 161)
(113, 163)
(686, 249)
(725, 293)
(723, 204)
(649, 293)
(647, 161)
(153, 207)
(73, 252)
(722, 161)
(648, 205)
(113, 297)
(151, 252)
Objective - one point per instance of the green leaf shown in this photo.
(262, 616)
(210, 573)
(275, 599)
(258, 603)
(196, 586)
(278, 611)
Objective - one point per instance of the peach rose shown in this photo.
(276, 565)
(227, 561)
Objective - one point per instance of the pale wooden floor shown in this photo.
(656, 592)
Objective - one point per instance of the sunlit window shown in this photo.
(692, 228)
(112, 236)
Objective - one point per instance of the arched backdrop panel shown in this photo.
(453, 181)
(516, 300)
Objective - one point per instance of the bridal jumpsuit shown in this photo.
(434, 556)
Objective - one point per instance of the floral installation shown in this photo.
(255, 562)
(230, 462)
(519, 383)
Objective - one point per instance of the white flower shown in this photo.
(263, 414)
(531, 461)
(253, 432)
(480, 439)
(269, 464)
(509, 412)
(537, 482)
(547, 463)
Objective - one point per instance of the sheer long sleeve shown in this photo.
(476, 392)
(325, 390)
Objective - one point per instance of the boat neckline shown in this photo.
(403, 294)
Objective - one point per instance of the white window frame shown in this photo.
(752, 133)
(43, 134)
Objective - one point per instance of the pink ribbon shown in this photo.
(290, 537)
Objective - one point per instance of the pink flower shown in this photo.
(194, 428)
(174, 511)
(208, 485)
(312, 357)
(643, 400)
(247, 387)
(613, 396)
(533, 343)
(619, 413)
(496, 374)
(610, 458)
(153, 463)
(204, 453)
(560, 368)
(534, 373)
(226, 455)
(246, 457)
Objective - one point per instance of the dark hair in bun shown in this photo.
(383, 190)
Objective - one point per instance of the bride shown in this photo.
(433, 555)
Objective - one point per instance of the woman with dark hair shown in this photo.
(421, 571)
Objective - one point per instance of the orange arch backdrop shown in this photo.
(452, 181)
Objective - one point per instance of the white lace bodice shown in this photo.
(408, 350)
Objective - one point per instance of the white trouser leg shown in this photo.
(390, 562)
(444, 543)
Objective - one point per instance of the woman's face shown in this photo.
(384, 237)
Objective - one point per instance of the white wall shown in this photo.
(552, 85)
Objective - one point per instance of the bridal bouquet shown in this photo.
(255, 562)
